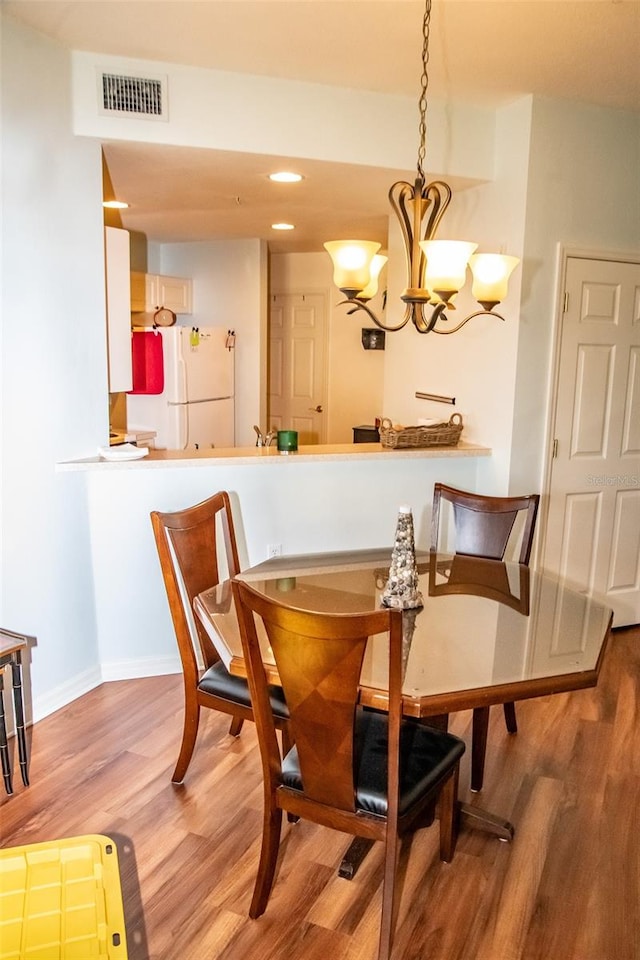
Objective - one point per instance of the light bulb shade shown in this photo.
(491, 272)
(446, 268)
(352, 261)
(371, 288)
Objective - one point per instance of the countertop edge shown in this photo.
(240, 456)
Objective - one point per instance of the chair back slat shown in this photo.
(482, 534)
(320, 679)
(484, 525)
(319, 660)
(187, 542)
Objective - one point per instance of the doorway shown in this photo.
(592, 531)
(297, 365)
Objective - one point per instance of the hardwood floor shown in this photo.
(567, 888)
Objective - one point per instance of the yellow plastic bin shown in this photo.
(62, 900)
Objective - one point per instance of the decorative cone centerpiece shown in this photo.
(401, 590)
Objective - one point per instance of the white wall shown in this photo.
(355, 376)
(583, 191)
(54, 368)
(230, 290)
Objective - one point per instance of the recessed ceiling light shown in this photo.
(285, 176)
(115, 204)
(282, 226)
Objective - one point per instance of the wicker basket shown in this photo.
(437, 435)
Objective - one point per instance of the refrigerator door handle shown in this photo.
(192, 403)
(181, 377)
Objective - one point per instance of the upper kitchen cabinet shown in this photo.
(117, 265)
(150, 291)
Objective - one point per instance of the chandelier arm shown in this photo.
(423, 325)
(440, 192)
(479, 313)
(400, 193)
(359, 305)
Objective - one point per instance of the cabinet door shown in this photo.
(174, 293)
(118, 309)
(151, 293)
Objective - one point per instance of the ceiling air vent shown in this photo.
(134, 96)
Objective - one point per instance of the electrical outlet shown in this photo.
(274, 550)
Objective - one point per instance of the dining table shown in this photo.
(488, 632)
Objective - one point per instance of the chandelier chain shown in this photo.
(424, 80)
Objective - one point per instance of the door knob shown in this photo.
(317, 409)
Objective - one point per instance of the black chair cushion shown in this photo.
(426, 755)
(220, 683)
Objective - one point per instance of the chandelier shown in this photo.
(436, 269)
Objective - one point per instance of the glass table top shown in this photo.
(488, 631)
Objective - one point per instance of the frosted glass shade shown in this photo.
(491, 272)
(371, 288)
(351, 263)
(447, 263)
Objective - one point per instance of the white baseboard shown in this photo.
(117, 670)
(63, 694)
(146, 667)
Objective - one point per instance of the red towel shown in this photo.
(148, 365)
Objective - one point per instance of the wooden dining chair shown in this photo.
(187, 542)
(363, 772)
(485, 526)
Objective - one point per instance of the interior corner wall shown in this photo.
(583, 192)
(229, 289)
(354, 375)
(54, 367)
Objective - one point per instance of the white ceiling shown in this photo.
(483, 51)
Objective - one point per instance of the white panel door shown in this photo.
(297, 357)
(593, 524)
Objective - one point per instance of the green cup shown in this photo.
(287, 441)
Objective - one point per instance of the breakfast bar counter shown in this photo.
(236, 456)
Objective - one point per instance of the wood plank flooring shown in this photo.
(567, 888)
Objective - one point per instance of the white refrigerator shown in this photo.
(195, 409)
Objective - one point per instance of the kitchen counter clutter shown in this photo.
(144, 438)
(235, 456)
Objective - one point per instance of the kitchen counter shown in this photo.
(235, 456)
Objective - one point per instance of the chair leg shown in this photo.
(389, 894)
(271, 826)
(21, 737)
(189, 734)
(236, 726)
(510, 717)
(4, 747)
(480, 728)
(449, 816)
